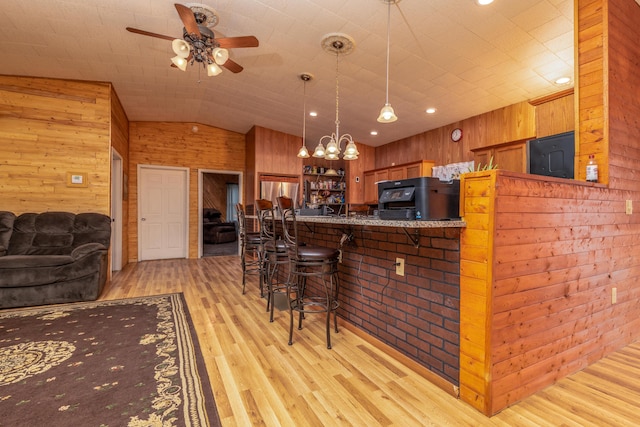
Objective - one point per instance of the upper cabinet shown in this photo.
(511, 156)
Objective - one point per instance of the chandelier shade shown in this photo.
(180, 48)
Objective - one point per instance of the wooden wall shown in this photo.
(175, 144)
(512, 123)
(271, 152)
(48, 128)
(120, 142)
(541, 257)
(214, 191)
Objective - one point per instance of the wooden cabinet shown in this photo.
(404, 171)
(511, 156)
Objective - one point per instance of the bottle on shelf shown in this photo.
(592, 169)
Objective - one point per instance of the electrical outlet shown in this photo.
(340, 255)
(629, 207)
(614, 295)
(400, 266)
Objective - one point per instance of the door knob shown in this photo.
(143, 219)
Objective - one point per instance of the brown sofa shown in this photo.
(215, 231)
(52, 257)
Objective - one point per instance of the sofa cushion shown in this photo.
(91, 228)
(6, 229)
(48, 233)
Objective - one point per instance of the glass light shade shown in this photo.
(331, 172)
(350, 157)
(351, 149)
(213, 69)
(180, 48)
(220, 55)
(331, 156)
(303, 152)
(387, 115)
(332, 147)
(319, 151)
(179, 62)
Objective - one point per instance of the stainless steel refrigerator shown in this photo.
(271, 190)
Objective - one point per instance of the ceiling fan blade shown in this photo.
(232, 66)
(245, 41)
(148, 33)
(188, 19)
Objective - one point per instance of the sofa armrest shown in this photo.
(86, 249)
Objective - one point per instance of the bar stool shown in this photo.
(306, 261)
(275, 252)
(250, 244)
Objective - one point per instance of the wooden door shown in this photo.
(398, 173)
(511, 157)
(370, 187)
(162, 224)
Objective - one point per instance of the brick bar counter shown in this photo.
(417, 314)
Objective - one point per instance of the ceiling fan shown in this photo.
(199, 43)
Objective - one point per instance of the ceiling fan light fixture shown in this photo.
(181, 48)
(213, 69)
(387, 115)
(180, 62)
(220, 55)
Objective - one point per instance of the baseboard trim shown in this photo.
(432, 377)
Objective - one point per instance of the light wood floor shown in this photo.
(259, 380)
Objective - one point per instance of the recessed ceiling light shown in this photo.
(313, 113)
(484, 2)
(374, 132)
(430, 110)
(563, 80)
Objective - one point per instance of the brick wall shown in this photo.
(418, 314)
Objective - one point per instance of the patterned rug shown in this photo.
(133, 362)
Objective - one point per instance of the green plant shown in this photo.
(488, 166)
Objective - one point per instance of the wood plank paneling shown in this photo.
(51, 127)
(511, 123)
(120, 142)
(177, 145)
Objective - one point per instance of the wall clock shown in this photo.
(456, 134)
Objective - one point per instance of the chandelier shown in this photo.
(337, 43)
(204, 49)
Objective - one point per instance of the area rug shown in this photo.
(133, 362)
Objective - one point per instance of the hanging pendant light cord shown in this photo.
(388, 43)
(304, 111)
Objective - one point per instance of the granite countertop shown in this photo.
(360, 220)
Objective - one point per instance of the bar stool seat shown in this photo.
(309, 261)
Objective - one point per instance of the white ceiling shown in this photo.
(454, 55)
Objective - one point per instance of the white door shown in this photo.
(116, 211)
(162, 213)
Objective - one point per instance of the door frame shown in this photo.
(186, 210)
(117, 192)
(201, 173)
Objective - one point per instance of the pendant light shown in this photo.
(387, 115)
(337, 43)
(303, 153)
